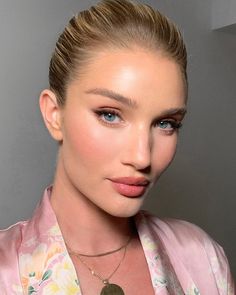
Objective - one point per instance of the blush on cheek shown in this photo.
(164, 153)
(93, 142)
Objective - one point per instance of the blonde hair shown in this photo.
(112, 24)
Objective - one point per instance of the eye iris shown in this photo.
(109, 117)
(164, 124)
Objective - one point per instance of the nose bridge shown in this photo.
(143, 140)
(138, 152)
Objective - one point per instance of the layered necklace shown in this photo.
(109, 288)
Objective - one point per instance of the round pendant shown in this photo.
(112, 289)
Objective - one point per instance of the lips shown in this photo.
(132, 187)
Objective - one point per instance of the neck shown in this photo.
(85, 227)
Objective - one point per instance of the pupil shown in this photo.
(164, 124)
(110, 117)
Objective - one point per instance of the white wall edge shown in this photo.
(224, 15)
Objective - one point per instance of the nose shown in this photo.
(137, 149)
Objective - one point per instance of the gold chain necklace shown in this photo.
(100, 254)
(108, 289)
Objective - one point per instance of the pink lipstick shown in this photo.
(132, 187)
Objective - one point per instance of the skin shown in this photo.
(139, 141)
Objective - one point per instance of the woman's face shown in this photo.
(120, 127)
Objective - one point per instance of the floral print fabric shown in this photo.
(182, 259)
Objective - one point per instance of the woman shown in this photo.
(117, 97)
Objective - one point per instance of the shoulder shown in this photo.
(178, 231)
(11, 234)
(10, 239)
(189, 245)
(10, 242)
(187, 238)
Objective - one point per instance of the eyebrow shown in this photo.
(113, 95)
(131, 103)
(173, 111)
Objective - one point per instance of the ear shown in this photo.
(52, 113)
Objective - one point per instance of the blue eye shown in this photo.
(110, 117)
(169, 125)
(165, 125)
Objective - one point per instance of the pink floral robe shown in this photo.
(182, 259)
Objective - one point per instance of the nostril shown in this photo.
(146, 170)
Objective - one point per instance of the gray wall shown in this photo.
(200, 186)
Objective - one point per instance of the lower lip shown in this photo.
(131, 191)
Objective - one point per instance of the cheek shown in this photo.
(90, 142)
(164, 152)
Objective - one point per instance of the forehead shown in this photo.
(137, 73)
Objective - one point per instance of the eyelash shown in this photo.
(175, 125)
(104, 112)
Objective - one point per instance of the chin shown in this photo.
(126, 210)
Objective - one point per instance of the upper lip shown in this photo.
(131, 180)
